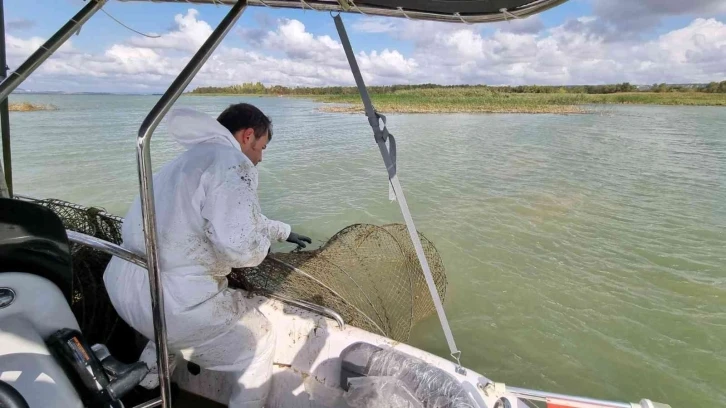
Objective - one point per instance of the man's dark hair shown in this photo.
(245, 116)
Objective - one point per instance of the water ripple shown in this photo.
(584, 253)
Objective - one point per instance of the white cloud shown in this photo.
(529, 25)
(19, 48)
(189, 36)
(576, 52)
(19, 24)
(390, 64)
(703, 39)
(568, 55)
(134, 60)
(292, 39)
(22, 48)
(412, 29)
(636, 15)
(375, 25)
(288, 55)
(422, 32)
(696, 51)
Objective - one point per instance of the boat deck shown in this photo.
(180, 398)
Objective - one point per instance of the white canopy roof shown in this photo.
(461, 11)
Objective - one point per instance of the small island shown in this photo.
(431, 98)
(29, 107)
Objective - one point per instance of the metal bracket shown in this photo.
(148, 212)
(388, 156)
(457, 356)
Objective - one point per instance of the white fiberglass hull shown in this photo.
(307, 365)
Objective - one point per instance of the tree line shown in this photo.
(260, 89)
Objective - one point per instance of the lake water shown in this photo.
(585, 253)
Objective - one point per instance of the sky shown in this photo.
(580, 42)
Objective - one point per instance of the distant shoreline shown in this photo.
(460, 101)
(474, 99)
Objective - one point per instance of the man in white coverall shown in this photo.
(209, 221)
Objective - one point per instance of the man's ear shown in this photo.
(249, 134)
(238, 135)
(243, 135)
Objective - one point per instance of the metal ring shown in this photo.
(7, 297)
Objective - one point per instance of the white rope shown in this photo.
(461, 18)
(506, 13)
(127, 27)
(215, 2)
(356, 7)
(263, 3)
(403, 12)
(306, 4)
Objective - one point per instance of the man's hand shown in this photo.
(298, 239)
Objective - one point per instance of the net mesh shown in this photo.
(91, 306)
(369, 274)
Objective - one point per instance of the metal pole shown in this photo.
(6, 184)
(105, 246)
(49, 47)
(3, 188)
(151, 404)
(321, 310)
(148, 212)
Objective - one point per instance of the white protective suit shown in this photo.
(209, 221)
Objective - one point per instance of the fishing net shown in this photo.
(369, 274)
(91, 306)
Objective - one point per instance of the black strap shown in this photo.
(389, 159)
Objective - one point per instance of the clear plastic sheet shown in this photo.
(432, 386)
(380, 392)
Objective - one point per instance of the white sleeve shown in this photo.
(279, 231)
(235, 223)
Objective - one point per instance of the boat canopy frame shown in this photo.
(453, 11)
(435, 10)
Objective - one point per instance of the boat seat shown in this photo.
(10, 397)
(36, 278)
(26, 362)
(33, 240)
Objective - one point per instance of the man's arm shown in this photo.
(278, 230)
(236, 226)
